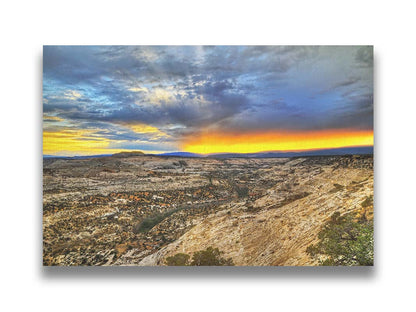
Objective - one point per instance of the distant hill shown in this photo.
(77, 157)
(128, 154)
(117, 155)
(361, 150)
(181, 154)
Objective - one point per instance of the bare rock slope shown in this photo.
(277, 228)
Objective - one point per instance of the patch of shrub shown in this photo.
(148, 223)
(180, 259)
(242, 191)
(208, 257)
(345, 241)
(367, 202)
(183, 163)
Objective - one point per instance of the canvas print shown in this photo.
(208, 156)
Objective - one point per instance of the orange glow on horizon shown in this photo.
(81, 142)
(217, 142)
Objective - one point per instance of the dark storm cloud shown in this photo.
(183, 89)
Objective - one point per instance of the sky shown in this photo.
(205, 99)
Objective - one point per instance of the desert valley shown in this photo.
(133, 209)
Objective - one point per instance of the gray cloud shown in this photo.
(184, 89)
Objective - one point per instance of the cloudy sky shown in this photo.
(205, 99)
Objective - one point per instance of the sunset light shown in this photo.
(208, 143)
(206, 99)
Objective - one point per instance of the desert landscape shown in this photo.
(208, 156)
(133, 209)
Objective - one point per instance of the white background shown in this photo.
(27, 25)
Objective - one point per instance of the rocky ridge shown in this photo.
(271, 231)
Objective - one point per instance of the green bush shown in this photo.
(208, 257)
(345, 241)
(180, 259)
(367, 202)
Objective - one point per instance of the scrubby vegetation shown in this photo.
(180, 259)
(345, 240)
(367, 202)
(242, 191)
(148, 223)
(183, 163)
(208, 257)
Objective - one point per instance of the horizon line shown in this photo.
(222, 153)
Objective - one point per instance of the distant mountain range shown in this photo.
(182, 154)
(117, 155)
(360, 150)
(78, 157)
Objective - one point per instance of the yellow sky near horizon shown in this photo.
(69, 142)
(253, 142)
